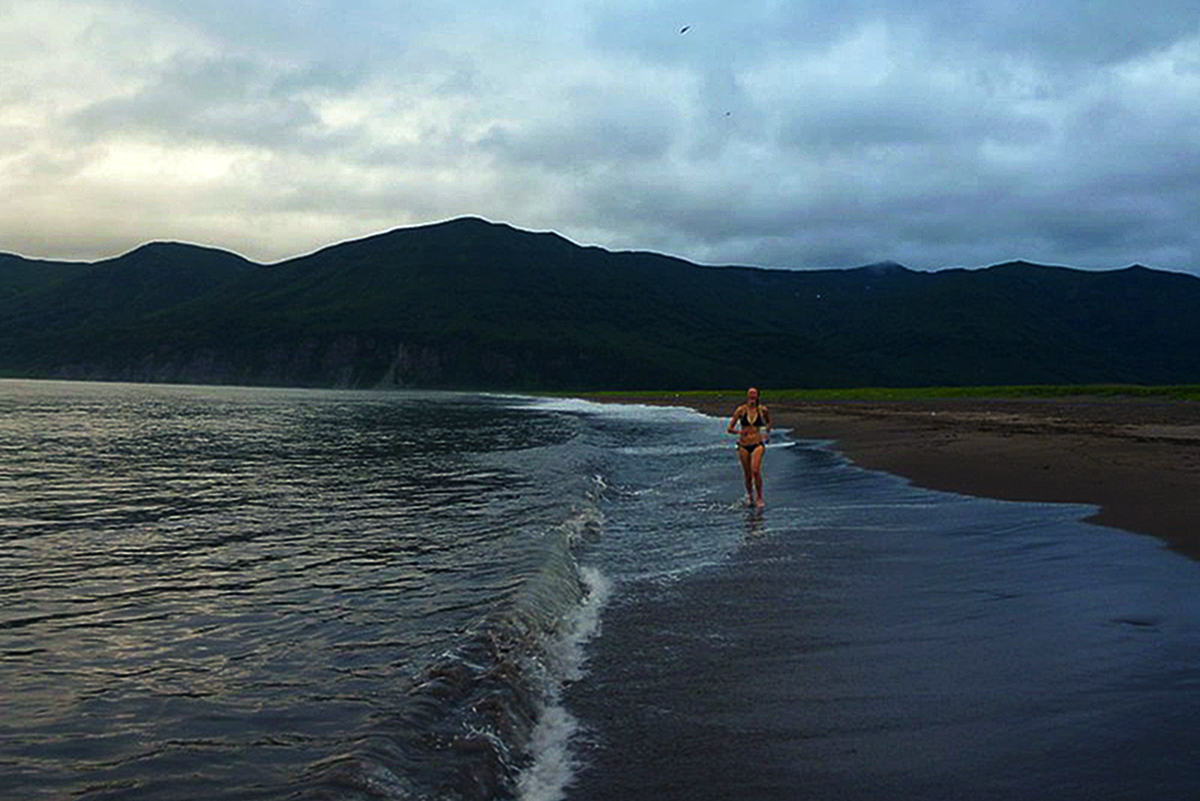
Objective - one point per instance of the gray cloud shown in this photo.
(221, 99)
(800, 135)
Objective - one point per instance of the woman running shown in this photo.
(755, 427)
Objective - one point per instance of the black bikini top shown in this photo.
(756, 422)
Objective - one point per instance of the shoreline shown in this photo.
(1137, 460)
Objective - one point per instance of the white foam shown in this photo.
(676, 450)
(582, 624)
(627, 411)
(554, 763)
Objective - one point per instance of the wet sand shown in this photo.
(870, 654)
(1137, 460)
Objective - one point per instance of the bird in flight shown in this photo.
(685, 29)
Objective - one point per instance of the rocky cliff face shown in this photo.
(344, 361)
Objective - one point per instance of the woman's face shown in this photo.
(752, 396)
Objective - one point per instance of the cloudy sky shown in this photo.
(829, 133)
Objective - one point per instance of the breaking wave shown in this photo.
(485, 720)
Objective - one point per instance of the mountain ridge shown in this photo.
(469, 303)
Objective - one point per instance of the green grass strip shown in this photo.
(1184, 392)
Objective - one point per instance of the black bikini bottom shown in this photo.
(750, 448)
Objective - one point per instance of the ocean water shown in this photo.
(223, 593)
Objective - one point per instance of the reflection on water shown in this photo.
(195, 572)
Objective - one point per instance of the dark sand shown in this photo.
(846, 665)
(1137, 460)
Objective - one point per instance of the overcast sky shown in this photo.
(830, 133)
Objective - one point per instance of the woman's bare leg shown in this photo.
(756, 460)
(748, 471)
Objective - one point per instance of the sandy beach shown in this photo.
(870, 640)
(1137, 460)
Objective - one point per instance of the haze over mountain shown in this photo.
(474, 304)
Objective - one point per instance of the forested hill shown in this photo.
(473, 304)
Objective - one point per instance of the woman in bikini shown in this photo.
(755, 426)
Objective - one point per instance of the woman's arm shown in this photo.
(737, 413)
